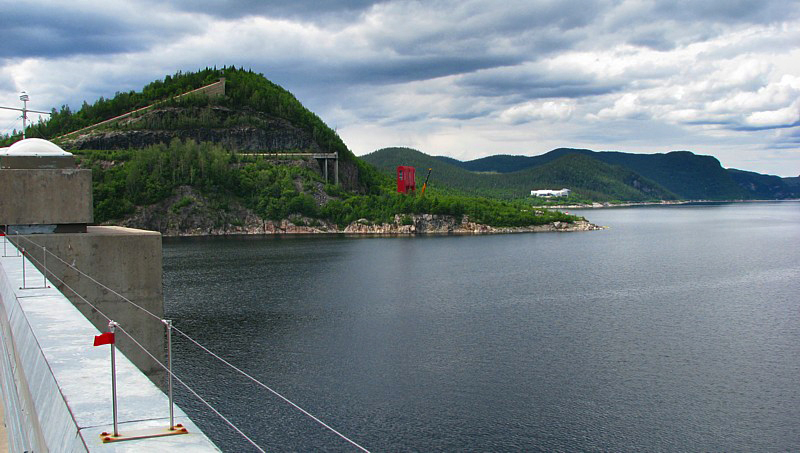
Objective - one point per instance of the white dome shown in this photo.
(34, 147)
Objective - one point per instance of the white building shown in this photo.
(547, 193)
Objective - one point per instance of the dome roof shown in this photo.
(34, 147)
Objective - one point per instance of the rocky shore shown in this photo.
(187, 213)
(402, 225)
(597, 205)
(443, 224)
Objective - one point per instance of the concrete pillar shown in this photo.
(125, 260)
(46, 196)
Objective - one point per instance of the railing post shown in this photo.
(168, 324)
(44, 265)
(112, 326)
(23, 268)
(5, 241)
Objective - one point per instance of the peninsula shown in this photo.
(226, 151)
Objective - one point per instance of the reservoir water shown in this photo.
(676, 329)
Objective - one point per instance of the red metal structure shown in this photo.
(406, 180)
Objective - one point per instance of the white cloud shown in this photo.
(626, 106)
(787, 116)
(550, 111)
(467, 78)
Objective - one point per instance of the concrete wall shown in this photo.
(123, 259)
(59, 196)
(56, 385)
(215, 89)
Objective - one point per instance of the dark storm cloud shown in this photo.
(468, 115)
(729, 11)
(789, 141)
(53, 30)
(792, 140)
(652, 40)
(745, 128)
(306, 10)
(665, 25)
(535, 85)
(409, 69)
(469, 28)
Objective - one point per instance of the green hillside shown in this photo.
(500, 163)
(763, 186)
(688, 175)
(793, 183)
(444, 175)
(587, 177)
(255, 102)
(691, 176)
(592, 179)
(238, 161)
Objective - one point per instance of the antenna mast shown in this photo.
(23, 96)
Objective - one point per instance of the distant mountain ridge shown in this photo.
(592, 178)
(601, 175)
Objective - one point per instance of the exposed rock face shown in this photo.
(188, 213)
(240, 130)
(242, 138)
(445, 224)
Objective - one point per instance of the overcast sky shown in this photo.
(464, 79)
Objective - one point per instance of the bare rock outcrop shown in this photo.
(189, 213)
(445, 224)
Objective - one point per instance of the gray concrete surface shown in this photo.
(3, 431)
(126, 260)
(62, 196)
(56, 385)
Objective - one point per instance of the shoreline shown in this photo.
(427, 225)
(655, 203)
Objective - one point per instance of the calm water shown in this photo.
(676, 329)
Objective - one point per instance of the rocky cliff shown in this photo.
(243, 130)
(189, 213)
(445, 224)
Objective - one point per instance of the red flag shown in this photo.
(104, 338)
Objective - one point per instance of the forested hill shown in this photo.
(589, 178)
(688, 175)
(253, 115)
(247, 159)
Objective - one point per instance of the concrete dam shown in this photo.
(64, 283)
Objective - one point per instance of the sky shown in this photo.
(464, 79)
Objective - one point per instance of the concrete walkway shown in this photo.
(3, 432)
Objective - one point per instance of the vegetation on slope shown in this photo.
(686, 174)
(691, 176)
(764, 186)
(793, 183)
(589, 178)
(249, 94)
(273, 190)
(128, 177)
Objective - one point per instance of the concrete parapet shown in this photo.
(125, 260)
(57, 387)
(46, 196)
